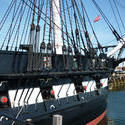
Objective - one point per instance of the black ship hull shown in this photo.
(76, 110)
(82, 113)
(16, 63)
(79, 114)
(57, 72)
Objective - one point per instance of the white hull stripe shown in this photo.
(61, 91)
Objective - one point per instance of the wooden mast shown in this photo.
(57, 26)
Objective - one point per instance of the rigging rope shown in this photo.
(45, 22)
(107, 21)
(26, 33)
(50, 31)
(34, 7)
(63, 23)
(65, 20)
(46, 17)
(20, 16)
(72, 40)
(10, 26)
(115, 16)
(25, 24)
(83, 24)
(10, 29)
(103, 15)
(3, 20)
(120, 4)
(80, 17)
(99, 45)
(78, 28)
(119, 15)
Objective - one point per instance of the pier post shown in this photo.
(29, 122)
(57, 120)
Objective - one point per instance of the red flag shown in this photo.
(97, 18)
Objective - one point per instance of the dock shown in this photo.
(117, 82)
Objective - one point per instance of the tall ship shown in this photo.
(49, 65)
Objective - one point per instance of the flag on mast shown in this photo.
(97, 18)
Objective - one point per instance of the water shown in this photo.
(116, 108)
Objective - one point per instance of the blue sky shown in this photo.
(104, 34)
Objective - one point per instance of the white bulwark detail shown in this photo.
(57, 26)
(32, 99)
(91, 85)
(104, 82)
(60, 92)
(67, 90)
